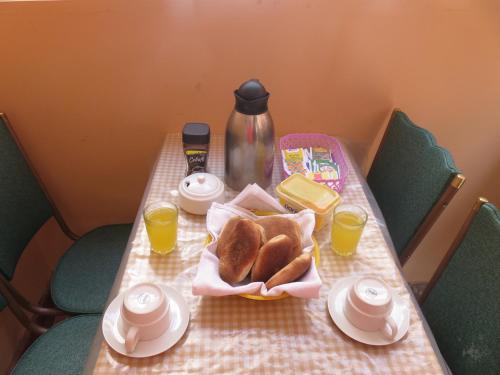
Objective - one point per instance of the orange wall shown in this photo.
(92, 86)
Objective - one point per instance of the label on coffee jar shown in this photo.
(196, 160)
(196, 140)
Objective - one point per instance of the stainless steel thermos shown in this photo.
(249, 148)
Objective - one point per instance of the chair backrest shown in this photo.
(463, 298)
(24, 207)
(412, 180)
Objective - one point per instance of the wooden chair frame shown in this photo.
(453, 185)
(17, 310)
(453, 247)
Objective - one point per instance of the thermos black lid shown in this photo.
(251, 98)
(196, 133)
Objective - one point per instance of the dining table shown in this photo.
(236, 335)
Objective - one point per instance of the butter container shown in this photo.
(297, 193)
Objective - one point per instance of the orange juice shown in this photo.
(347, 227)
(161, 225)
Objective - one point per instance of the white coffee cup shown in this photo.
(145, 314)
(369, 305)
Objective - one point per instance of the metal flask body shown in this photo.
(249, 143)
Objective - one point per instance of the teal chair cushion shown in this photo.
(463, 307)
(23, 207)
(85, 273)
(407, 177)
(63, 349)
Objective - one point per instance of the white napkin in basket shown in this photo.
(207, 280)
(256, 198)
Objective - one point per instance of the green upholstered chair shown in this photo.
(63, 349)
(412, 180)
(85, 274)
(462, 301)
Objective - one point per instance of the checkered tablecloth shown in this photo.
(234, 335)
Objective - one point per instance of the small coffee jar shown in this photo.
(196, 141)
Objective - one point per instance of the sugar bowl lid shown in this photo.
(201, 186)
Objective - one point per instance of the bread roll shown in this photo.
(273, 256)
(275, 225)
(291, 272)
(237, 248)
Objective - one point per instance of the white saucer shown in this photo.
(336, 301)
(179, 319)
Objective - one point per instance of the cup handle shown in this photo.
(393, 328)
(131, 339)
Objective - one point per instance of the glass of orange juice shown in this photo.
(347, 226)
(161, 225)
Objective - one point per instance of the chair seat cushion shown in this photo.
(86, 272)
(63, 349)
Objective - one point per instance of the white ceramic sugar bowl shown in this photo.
(198, 191)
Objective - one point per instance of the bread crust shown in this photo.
(276, 225)
(291, 272)
(273, 256)
(237, 248)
